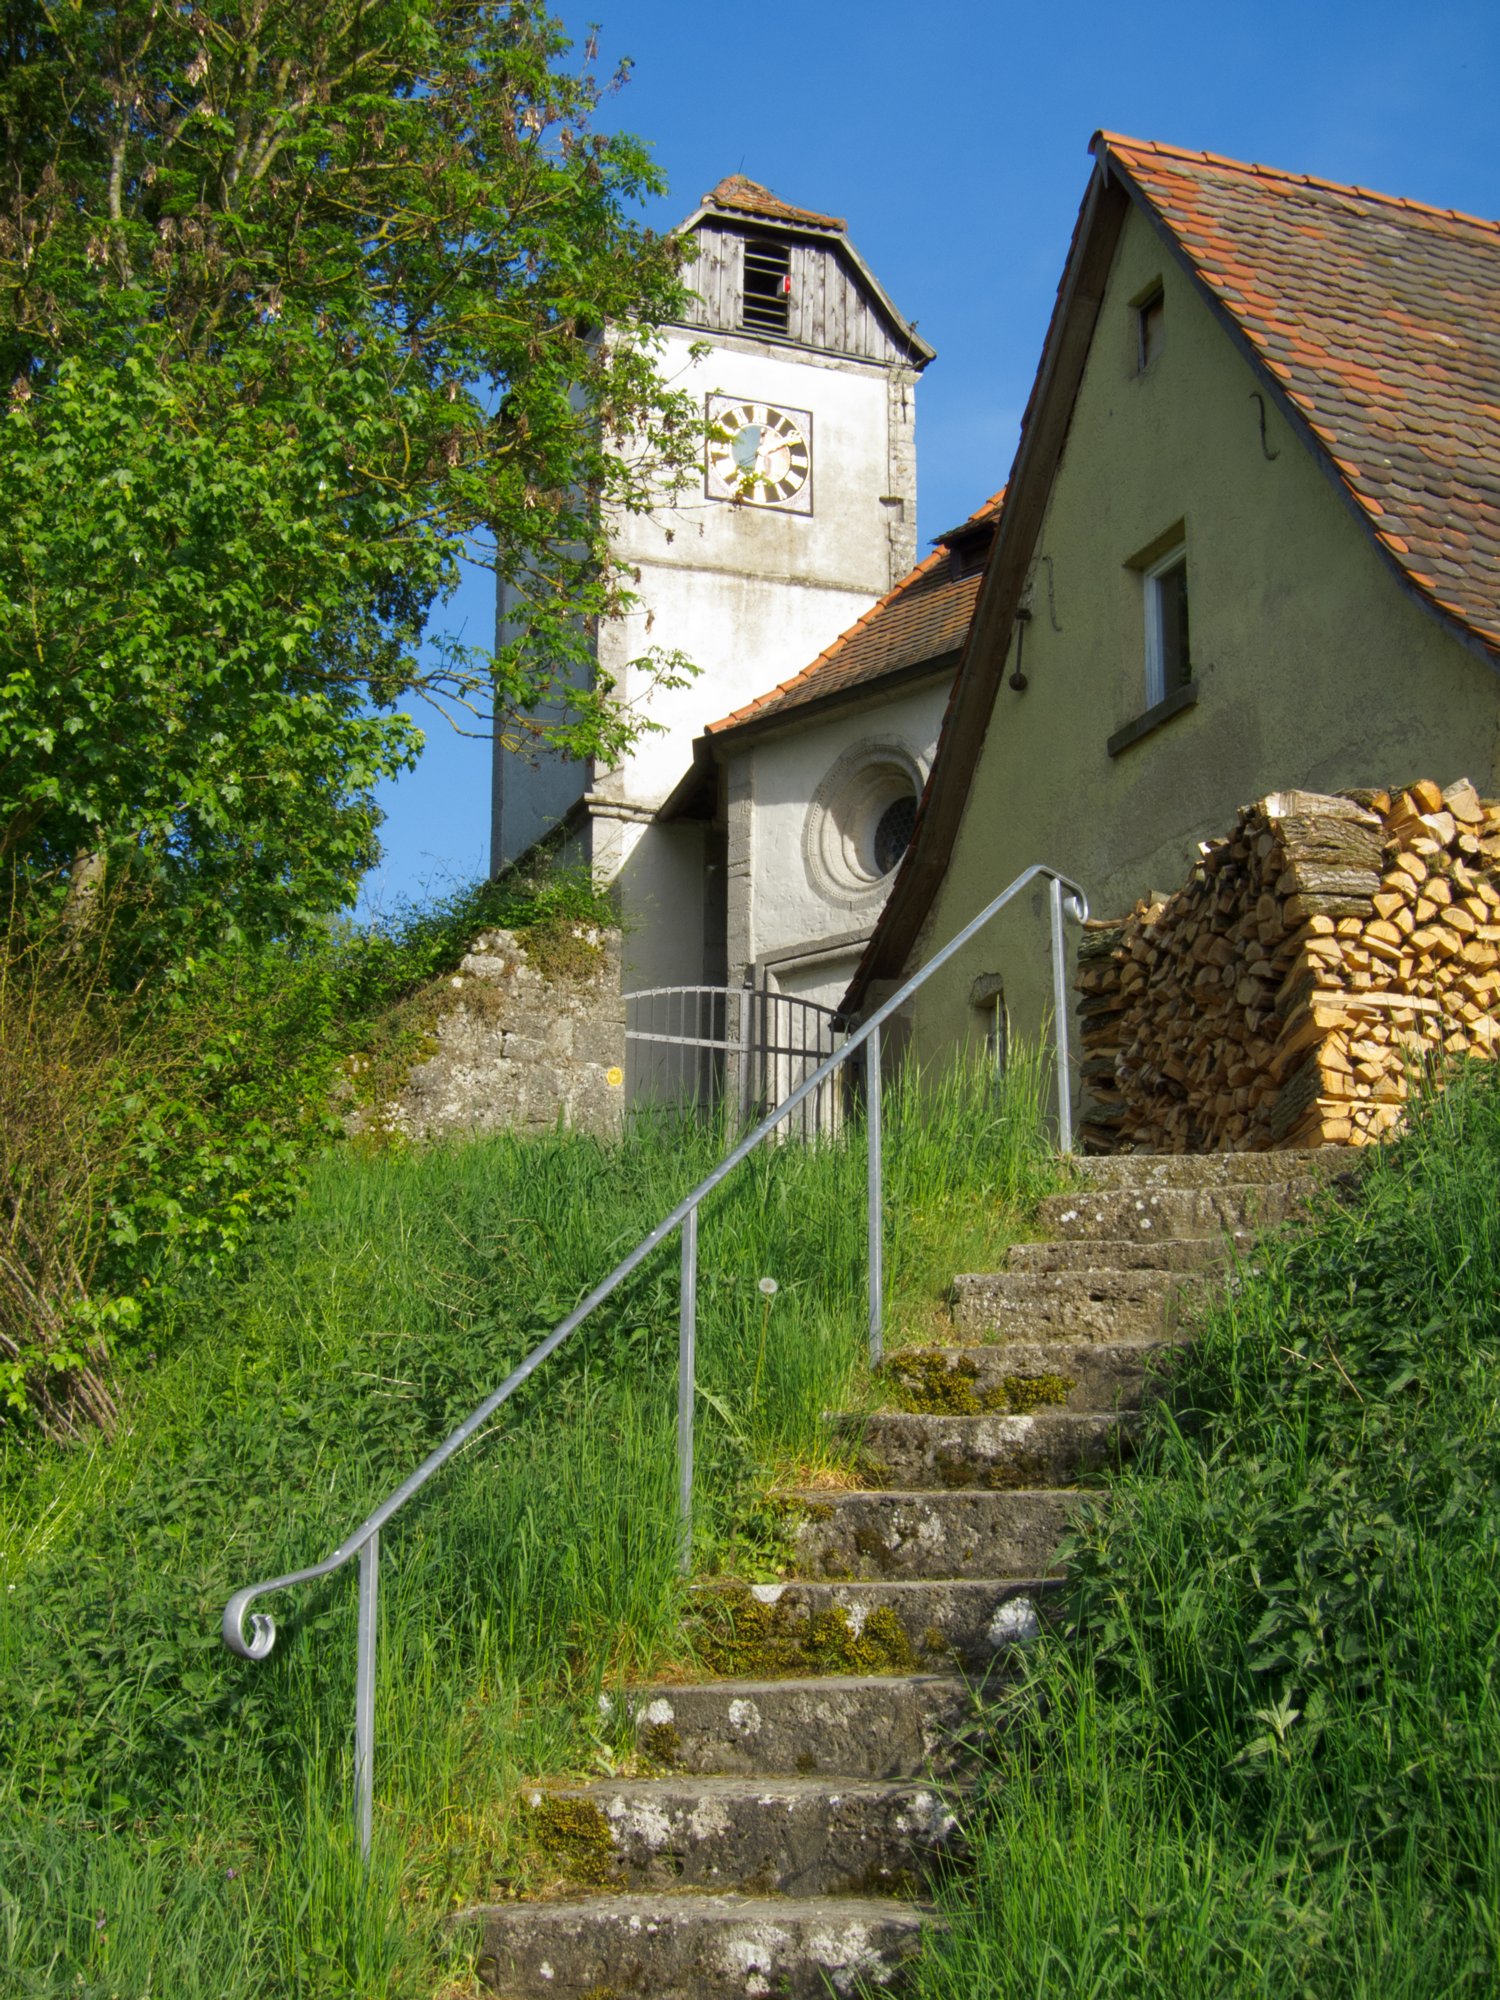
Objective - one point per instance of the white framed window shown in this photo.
(1169, 663)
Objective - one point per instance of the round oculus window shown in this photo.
(861, 822)
(893, 832)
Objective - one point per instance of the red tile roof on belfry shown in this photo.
(746, 197)
(924, 617)
(1380, 320)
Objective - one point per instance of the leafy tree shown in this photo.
(300, 301)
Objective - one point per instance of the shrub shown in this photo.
(65, 1055)
(147, 1128)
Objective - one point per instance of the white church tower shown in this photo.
(806, 515)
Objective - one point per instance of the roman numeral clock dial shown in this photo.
(759, 455)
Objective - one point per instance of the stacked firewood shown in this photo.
(1289, 992)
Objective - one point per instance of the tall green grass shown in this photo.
(1265, 1760)
(175, 1821)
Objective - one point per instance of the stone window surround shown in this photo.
(839, 828)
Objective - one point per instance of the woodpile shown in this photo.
(1287, 994)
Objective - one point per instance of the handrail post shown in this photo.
(1060, 1021)
(746, 1005)
(364, 1694)
(687, 1343)
(874, 1195)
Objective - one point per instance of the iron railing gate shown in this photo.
(745, 1046)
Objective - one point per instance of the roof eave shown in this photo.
(921, 349)
(708, 211)
(971, 704)
(856, 695)
(685, 800)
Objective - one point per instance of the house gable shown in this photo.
(1298, 608)
(1311, 663)
(1377, 322)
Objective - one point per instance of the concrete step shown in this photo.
(1019, 1376)
(686, 1947)
(1050, 1448)
(1091, 1304)
(1201, 1170)
(902, 1626)
(1170, 1253)
(860, 1726)
(763, 1836)
(1153, 1213)
(925, 1534)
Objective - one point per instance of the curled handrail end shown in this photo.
(1077, 907)
(262, 1628)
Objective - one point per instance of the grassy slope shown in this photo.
(1268, 1762)
(173, 1821)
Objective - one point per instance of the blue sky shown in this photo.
(954, 139)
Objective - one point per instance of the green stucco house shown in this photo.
(1251, 542)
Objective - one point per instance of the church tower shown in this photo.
(805, 516)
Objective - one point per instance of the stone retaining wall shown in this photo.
(520, 1048)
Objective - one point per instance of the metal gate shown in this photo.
(746, 1046)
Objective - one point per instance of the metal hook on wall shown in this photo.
(1023, 619)
(1257, 397)
(1051, 599)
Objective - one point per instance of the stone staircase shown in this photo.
(785, 1848)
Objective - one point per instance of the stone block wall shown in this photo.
(522, 1046)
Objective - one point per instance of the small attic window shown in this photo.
(766, 306)
(967, 556)
(1150, 328)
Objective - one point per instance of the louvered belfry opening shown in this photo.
(766, 306)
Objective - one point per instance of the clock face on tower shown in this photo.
(759, 454)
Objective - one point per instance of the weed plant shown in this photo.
(175, 1821)
(1265, 1760)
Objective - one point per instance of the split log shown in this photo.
(1283, 996)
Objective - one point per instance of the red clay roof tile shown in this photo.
(1380, 314)
(923, 617)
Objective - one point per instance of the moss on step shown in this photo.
(742, 1638)
(935, 1644)
(576, 1833)
(928, 1382)
(660, 1742)
(1025, 1393)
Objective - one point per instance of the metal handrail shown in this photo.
(1064, 895)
